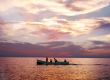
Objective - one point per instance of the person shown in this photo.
(65, 60)
(51, 60)
(46, 59)
(55, 60)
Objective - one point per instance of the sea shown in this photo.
(25, 68)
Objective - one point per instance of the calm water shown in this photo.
(26, 69)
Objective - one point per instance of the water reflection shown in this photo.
(26, 69)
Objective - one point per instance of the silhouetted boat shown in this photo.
(41, 62)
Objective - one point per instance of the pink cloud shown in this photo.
(53, 34)
(53, 29)
(56, 7)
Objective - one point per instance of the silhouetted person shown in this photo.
(46, 59)
(65, 60)
(51, 60)
(55, 60)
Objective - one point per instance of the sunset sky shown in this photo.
(85, 23)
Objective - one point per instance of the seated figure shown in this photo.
(65, 60)
(51, 60)
(55, 60)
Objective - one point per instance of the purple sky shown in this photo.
(85, 23)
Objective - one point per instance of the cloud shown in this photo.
(51, 49)
(36, 21)
(49, 30)
(94, 42)
(31, 9)
(99, 48)
(96, 48)
(83, 6)
(53, 34)
(104, 38)
(55, 49)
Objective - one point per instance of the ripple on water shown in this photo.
(26, 69)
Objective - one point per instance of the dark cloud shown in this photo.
(100, 45)
(99, 42)
(52, 49)
(103, 29)
(18, 49)
(100, 49)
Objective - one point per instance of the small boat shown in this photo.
(41, 62)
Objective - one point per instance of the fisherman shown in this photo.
(65, 60)
(51, 60)
(46, 59)
(55, 60)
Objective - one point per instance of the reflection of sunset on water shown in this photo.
(26, 68)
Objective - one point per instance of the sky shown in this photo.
(85, 23)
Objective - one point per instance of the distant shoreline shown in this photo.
(48, 57)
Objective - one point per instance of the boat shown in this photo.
(41, 62)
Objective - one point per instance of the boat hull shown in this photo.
(40, 62)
